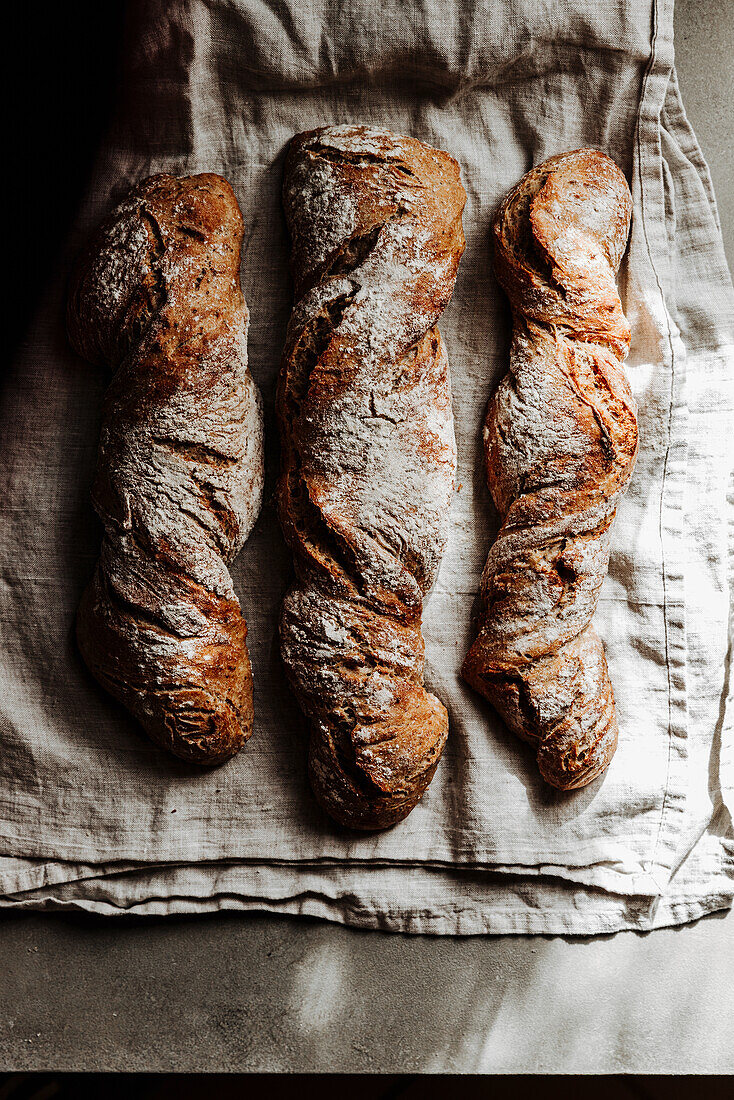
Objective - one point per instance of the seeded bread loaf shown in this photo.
(560, 442)
(156, 299)
(368, 457)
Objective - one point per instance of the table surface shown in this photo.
(256, 993)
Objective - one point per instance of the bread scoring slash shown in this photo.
(368, 457)
(156, 298)
(560, 442)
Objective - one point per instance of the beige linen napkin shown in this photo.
(94, 816)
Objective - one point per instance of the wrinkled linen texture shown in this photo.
(92, 815)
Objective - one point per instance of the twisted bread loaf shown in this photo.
(560, 442)
(364, 404)
(179, 473)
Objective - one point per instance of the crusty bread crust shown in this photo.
(364, 404)
(157, 298)
(560, 441)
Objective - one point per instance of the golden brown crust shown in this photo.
(364, 404)
(560, 442)
(157, 298)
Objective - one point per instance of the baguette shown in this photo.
(560, 441)
(368, 457)
(156, 298)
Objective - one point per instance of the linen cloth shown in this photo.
(91, 814)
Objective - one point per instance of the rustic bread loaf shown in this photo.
(560, 442)
(368, 457)
(157, 299)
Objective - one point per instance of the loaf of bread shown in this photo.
(156, 298)
(560, 442)
(368, 457)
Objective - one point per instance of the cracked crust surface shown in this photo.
(560, 441)
(368, 457)
(156, 298)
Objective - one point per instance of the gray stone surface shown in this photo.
(263, 994)
(255, 993)
(704, 49)
(258, 993)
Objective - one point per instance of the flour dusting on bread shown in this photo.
(560, 442)
(179, 475)
(369, 456)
